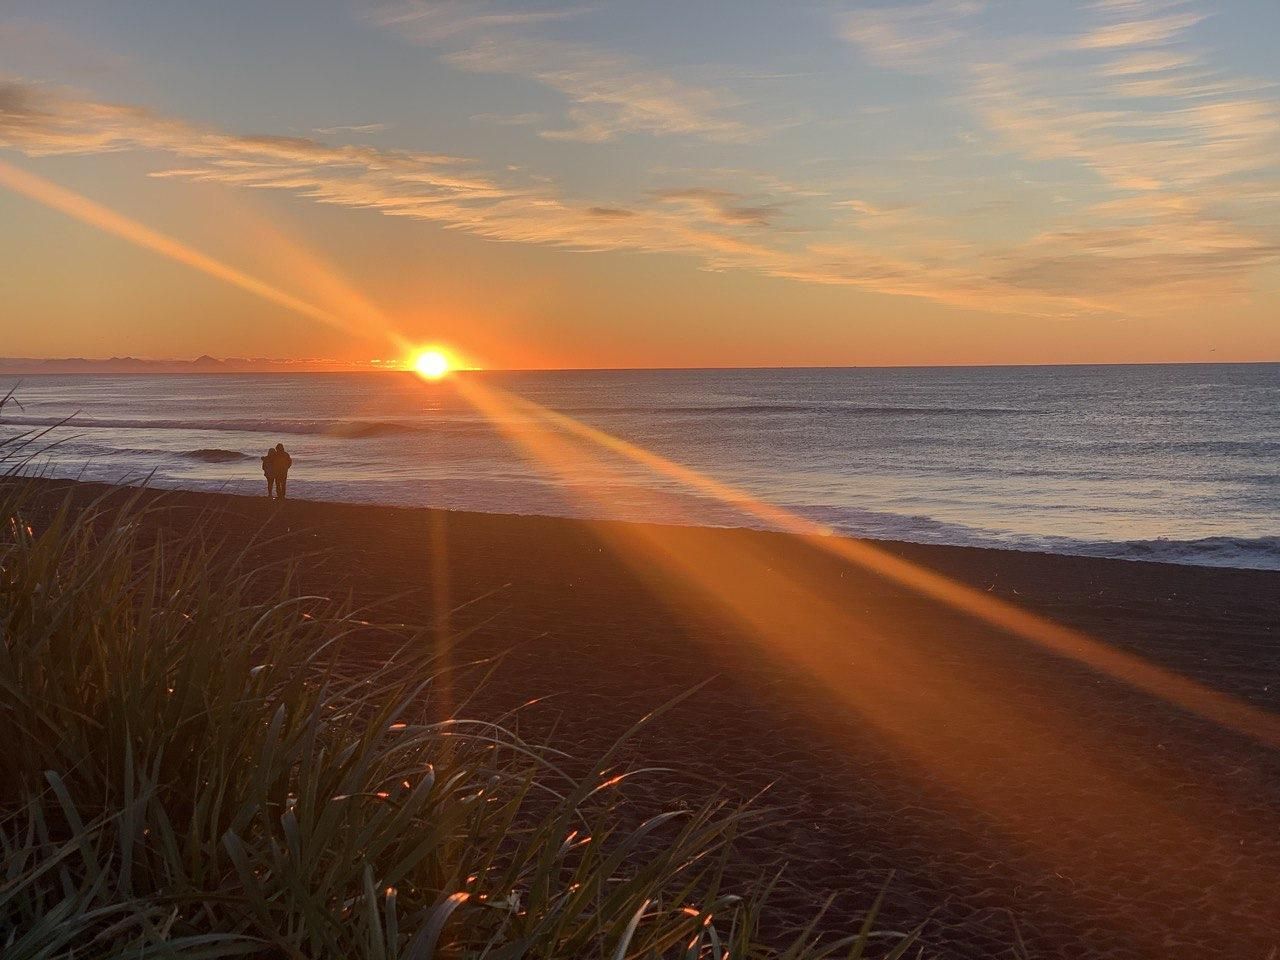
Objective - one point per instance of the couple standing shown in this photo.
(275, 467)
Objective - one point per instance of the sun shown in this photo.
(432, 364)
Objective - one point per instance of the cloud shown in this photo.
(901, 224)
(354, 128)
(909, 37)
(1139, 32)
(610, 213)
(719, 228)
(611, 94)
(1145, 250)
(435, 20)
(1177, 158)
(1199, 133)
(42, 122)
(1151, 115)
(1146, 62)
(608, 94)
(720, 206)
(1104, 262)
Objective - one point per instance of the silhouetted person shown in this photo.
(282, 462)
(269, 471)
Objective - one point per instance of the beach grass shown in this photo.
(195, 765)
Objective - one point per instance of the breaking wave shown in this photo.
(333, 428)
(216, 455)
(1258, 553)
(1250, 553)
(359, 429)
(849, 409)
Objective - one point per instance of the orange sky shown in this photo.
(575, 193)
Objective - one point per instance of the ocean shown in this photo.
(1174, 463)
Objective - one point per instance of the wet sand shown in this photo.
(991, 784)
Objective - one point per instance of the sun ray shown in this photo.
(95, 214)
(942, 705)
(1064, 641)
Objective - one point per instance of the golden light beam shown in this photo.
(95, 214)
(954, 707)
(1210, 704)
(308, 270)
(439, 575)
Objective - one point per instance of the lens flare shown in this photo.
(937, 697)
(95, 214)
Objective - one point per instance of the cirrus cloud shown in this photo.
(1102, 264)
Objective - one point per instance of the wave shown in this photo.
(1249, 447)
(365, 429)
(335, 428)
(216, 455)
(1243, 553)
(1258, 553)
(1249, 553)
(816, 407)
(375, 428)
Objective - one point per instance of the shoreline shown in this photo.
(882, 542)
(994, 781)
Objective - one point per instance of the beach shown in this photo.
(994, 789)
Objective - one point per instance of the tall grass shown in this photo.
(192, 765)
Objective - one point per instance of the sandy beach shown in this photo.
(998, 789)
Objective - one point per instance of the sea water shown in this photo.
(1176, 463)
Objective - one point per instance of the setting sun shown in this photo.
(431, 364)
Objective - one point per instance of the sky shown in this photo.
(617, 184)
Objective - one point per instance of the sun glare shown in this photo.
(432, 364)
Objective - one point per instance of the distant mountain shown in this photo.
(203, 364)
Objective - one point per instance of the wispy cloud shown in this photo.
(722, 229)
(911, 36)
(40, 120)
(611, 94)
(721, 206)
(364, 128)
(1168, 145)
(1138, 32)
(608, 94)
(436, 20)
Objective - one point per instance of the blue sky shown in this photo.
(943, 181)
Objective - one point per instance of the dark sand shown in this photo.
(997, 782)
